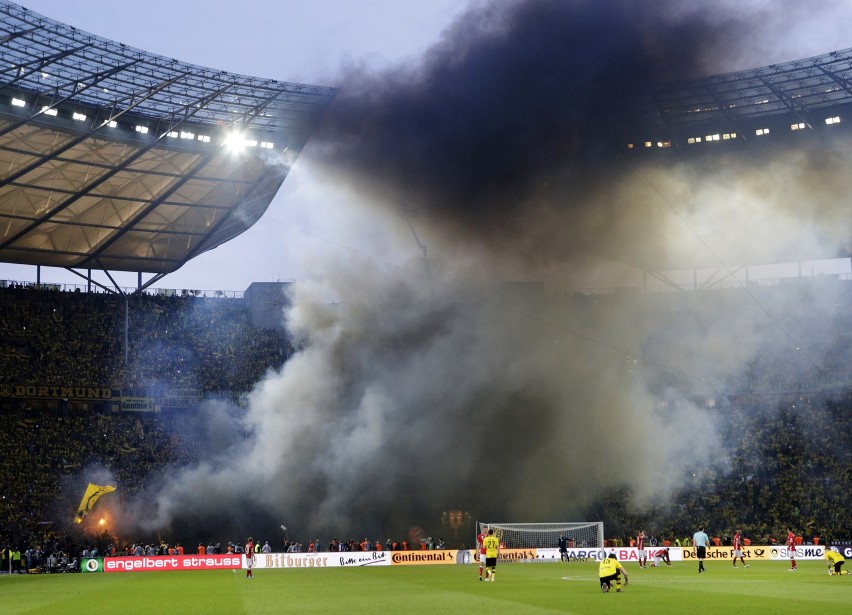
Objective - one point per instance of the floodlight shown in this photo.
(235, 141)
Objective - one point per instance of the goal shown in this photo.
(585, 535)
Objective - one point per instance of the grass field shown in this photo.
(764, 588)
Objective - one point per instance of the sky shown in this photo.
(453, 136)
(326, 42)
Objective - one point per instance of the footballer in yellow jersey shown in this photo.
(835, 561)
(491, 544)
(610, 569)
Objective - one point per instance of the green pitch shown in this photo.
(765, 587)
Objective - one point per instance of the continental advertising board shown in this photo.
(430, 558)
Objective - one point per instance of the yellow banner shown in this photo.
(93, 493)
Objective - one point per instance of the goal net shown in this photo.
(585, 535)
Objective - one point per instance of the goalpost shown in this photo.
(585, 535)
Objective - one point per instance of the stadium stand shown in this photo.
(785, 425)
(68, 378)
(56, 338)
(204, 345)
(786, 439)
(783, 449)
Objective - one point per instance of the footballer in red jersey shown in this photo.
(738, 549)
(791, 548)
(640, 548)
(480, 548)
(249, 558)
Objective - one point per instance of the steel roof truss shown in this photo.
(96, 182)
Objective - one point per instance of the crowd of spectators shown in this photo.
(788, 464)
(49, 337)
(786, 457)
(43, 450)
(54, 338)
(787, 461)
(784, 419)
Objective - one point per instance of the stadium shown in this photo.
(625, 308)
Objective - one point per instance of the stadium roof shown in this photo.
(792, 87)
(114, 158)
(802, 91)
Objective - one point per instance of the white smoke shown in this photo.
(417, 388)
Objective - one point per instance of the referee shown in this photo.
(700, 540)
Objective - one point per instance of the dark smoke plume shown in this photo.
(492, 122)
(427, 385)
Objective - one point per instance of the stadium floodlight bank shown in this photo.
(587, 534)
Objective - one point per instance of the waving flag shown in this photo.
(93, 493)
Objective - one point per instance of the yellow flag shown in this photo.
(93, 492)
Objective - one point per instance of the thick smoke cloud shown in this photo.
(491, 124)
(427, 385)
